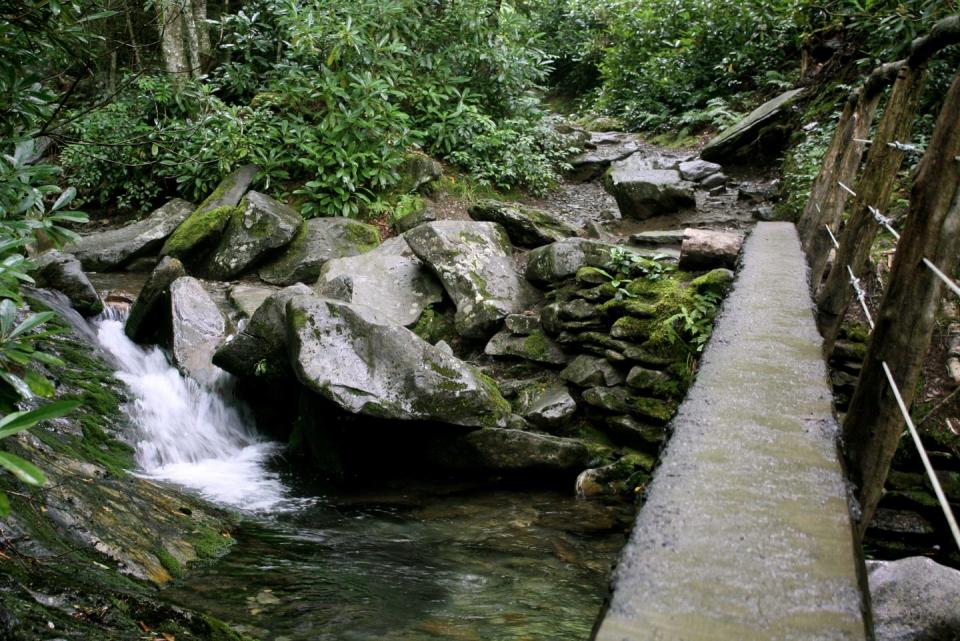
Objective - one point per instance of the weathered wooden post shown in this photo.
(906, 318)
(874, 188)
(840, 165)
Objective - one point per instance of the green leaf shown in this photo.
(8, 314)
(68, 194)
(4, 504)
(23, 470)
(30, 322)
(17, 384)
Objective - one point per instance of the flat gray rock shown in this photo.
(113, 249)
(748, 131)
(656, 238)
(247, 299)
(914, 599)
(704, 249)
(198, 329)
(474, 262)
(551, 408)
(526, 226)
(591, 371)
(390, 279)
(511, 451)
(56, 270)
(535, 347)
(385, 371)
(643, 191)
(318, 241)
(261, 224)
(561, 260)
(697, 170)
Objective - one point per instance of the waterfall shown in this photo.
(187, 433)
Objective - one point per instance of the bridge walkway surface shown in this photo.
(746, 533)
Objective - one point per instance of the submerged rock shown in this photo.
(115, 248)
(642, 191)
(198, 329)
(526, 226)
(318, 241)
(749, 132)
(914, 599)
(385, 371)
(260, 224)
(510, 451)
(390, 279)
(62, 272)
(146, 316)
(473, 261)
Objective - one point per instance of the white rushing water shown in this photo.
(190, 434)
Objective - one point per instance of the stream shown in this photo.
(401, 560)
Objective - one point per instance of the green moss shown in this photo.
(435, 325)
(537, 345)
(627, 307)
(502, 406)
(366, 237)
(199, 229)
(632, 329)
(592, 276)
(717, 282)
(856, 332)
(208, 543)
(653, 409)
(225, 185)
(169, 563)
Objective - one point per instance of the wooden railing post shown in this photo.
(873, 190)
(906, 317)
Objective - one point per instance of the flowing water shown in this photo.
(404, 561)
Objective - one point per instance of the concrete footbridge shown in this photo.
(746, 534)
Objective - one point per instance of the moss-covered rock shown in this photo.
(536, 347)
(197, 232)
(621, 401)
(318, 241)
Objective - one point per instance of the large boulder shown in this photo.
(247, 299)
(601, 149)
(115, 248)
(417, 171)
(390, 279)
(203, 226)
(473, 261)
(153, 301)
(63, 272)
(698, 170)
(643, 191)
(506, 451)
(260, 348)
(914, 599)
(526, 226)
(750, 131)
(198, 329)
(259, 225)
(385, 371)
(704, 249)
(319, 240)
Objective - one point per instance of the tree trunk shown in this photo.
(193, 38)
(873, 189)
(138, 62)
(203, 30)
(907, 313)
(171, 41)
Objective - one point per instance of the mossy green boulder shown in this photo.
(526, 226)
(318, 241)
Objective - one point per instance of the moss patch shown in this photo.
(199, 229)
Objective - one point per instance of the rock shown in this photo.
(417, 171)
(577, 310)
(620, 401)
(199, 231)
(115, 248)
(522, 324)
(198, 329)
(902, 524)
(656, 238)
(258, 225)
(153, 302)
(632, 433)
(697, 170)
(914, 599)
(511, 451)
(526, 226)
(551, 408)
(473, 261)
(591, 371)
(414, 219)
(706, 249)
(749, 131)
(260, 348)
(713, 181)
(444, 347)
(385, 371)
(604, 148)
(718, 191)
(561, 260)
(765, 214)
(534, 347)
(390, 279)
(317, 241)
(647, 380)
(142, 265)
(758, 193)
(248, 298)
(55, 270)
(643, 192)
(716, 281)
(625, 476)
